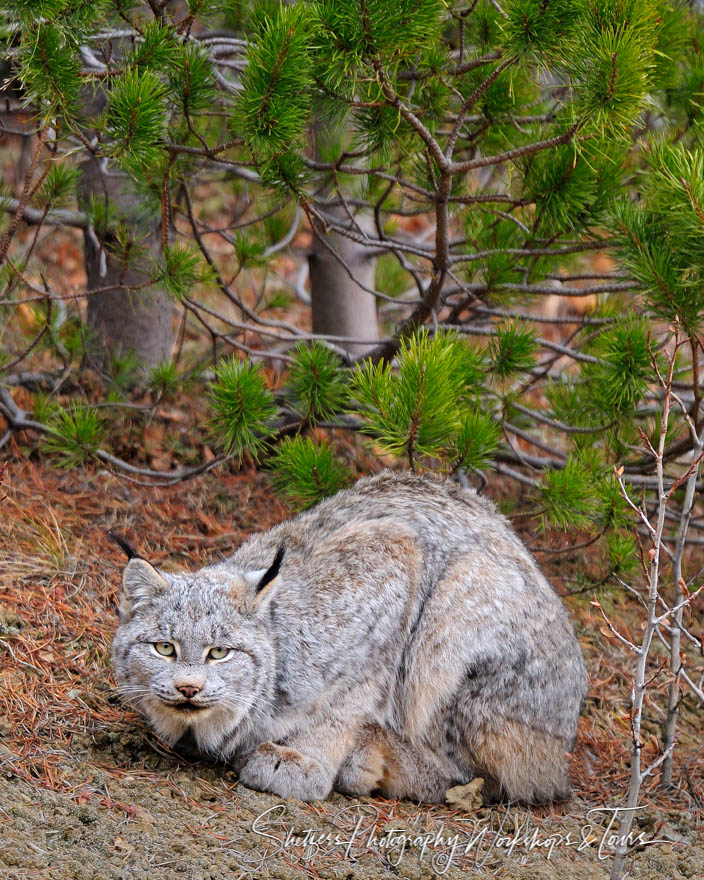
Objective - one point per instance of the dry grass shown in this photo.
(58, 581)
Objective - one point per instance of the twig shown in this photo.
(24, 198)
(643, 650)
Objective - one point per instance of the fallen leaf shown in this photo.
(466, 797)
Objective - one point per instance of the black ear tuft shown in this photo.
(273, 569)
(128, 549)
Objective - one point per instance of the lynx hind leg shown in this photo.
(519, 763)
(467, 683)
(383, 763)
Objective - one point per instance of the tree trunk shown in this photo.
(131, 318)
(341, 305)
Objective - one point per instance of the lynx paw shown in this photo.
(361, 773)
(287, 773)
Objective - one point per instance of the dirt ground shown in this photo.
(86, 791)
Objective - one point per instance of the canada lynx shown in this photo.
(397, 639)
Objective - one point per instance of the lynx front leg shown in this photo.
(287, 772)
(383, 762)
(304, 765)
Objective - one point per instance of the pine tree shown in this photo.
(490, 157)
(525, 137)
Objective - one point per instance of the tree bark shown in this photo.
(340, 269)
(133, 317)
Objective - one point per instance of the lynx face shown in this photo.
(190, 651)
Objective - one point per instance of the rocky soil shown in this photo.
(87, 792)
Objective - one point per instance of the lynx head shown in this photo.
(192, 650)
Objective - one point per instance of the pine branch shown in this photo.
(54, 217)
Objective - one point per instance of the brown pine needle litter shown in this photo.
(67, 744)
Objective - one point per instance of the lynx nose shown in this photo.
(188, 690)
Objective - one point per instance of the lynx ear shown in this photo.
(261, 578)
(124, 544)
(141, 582)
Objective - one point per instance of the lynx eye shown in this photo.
(219, 653)
(166, 649)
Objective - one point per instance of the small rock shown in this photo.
(143, 818)
(10, 624)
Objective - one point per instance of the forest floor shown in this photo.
(86, 791)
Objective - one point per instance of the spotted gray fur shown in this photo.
(407, 642)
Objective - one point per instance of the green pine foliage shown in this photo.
(535, 29)
(75, 432)
(622, 552)
(420, 410)
(306, 471)
(164, 379)
(242, 408)
(123, 371)
(659, 237)
(317, 385)
(192, 80)
(179, 270)
(249, 250)
(157, 50)
(135, 118)
(50, 68)
(614, 77)
(238, 122)
(572, 189)
(352, 34)
(567, 497)
(476, 440)
(617, 380)
(275, 98)
(59, 185)
(512, 350)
